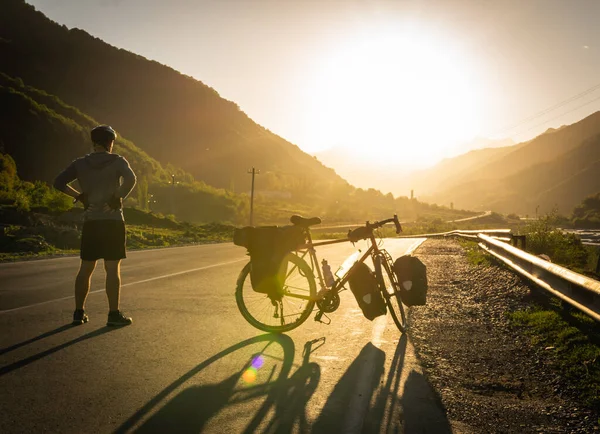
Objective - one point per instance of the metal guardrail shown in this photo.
(576, 289)
(466, 233)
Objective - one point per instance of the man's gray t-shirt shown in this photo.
(101, 176)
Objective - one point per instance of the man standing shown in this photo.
(105, 180)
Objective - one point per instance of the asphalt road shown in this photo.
(183, 366)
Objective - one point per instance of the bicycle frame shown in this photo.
(309, 249)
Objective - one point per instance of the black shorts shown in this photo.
(103, 239)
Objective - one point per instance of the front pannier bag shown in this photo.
(363, 285)
(268, 246)
(412, 276)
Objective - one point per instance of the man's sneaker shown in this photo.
(79, 317)
(118, 319)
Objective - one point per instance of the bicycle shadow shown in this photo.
(411, 407)
(193, 407)
(21, 363)
(391, 407)
(340, 406)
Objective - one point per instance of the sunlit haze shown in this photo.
(397, 81)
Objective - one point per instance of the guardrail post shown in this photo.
(519, 239)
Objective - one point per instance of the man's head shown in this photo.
(103, 136)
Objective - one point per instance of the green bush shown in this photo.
(544, 238)
(8, 172)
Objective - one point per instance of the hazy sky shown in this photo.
(411, 79)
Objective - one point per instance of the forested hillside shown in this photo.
(43, 135)
(174, 118)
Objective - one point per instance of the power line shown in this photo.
(559, 116)
(547, 110)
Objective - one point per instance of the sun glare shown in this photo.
(400, 95)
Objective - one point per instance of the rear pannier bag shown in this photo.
(412, 276)
(363, 285)
(268, 246)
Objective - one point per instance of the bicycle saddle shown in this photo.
(304, 222)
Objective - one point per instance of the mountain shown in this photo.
(557, 169)
(402, 178)
(450, 171)
(174, 118)
(478, 143)
(43, 134)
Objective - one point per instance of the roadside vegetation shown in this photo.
(569, 341)
(566, 249)
(50, 236)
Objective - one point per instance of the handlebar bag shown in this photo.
(412, 276)
(268, 246)
(363, 285)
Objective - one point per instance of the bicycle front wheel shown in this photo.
(390, 289)
(278, 316)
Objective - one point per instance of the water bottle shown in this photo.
(327, 274)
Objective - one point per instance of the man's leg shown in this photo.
(113, 292)
(82, 283)
(113, 283)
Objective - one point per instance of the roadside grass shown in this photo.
(329, 235)
(475, 255)
(141, 237)
(20, 244)
(24, 256)
(571, 341)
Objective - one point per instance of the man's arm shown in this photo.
(64, 178)
(129, 180)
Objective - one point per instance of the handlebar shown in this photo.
(366, 231)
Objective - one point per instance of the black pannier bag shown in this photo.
(268, 246)
(363, 285)
(241, 236)
(412, 276)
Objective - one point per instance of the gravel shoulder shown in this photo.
(490, 378)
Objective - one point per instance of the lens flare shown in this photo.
(258, 362)
(249, 376)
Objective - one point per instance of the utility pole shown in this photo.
(253, 172)
(173, 194)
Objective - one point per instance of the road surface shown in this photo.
(184, 364)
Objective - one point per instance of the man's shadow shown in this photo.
(192, 408)
(37, 338)
(24, 362)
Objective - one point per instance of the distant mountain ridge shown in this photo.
(401, 178)
(557, 169)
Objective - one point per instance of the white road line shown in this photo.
(126, 284)
(414, 245)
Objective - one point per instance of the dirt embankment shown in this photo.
(490, 377)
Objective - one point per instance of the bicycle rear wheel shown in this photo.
(277, 316)
(390, 289)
